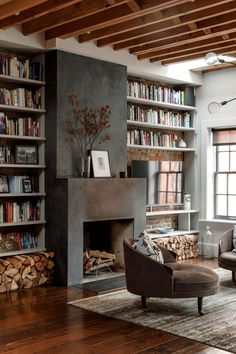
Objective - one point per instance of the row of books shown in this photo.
(22, 184)
(20, 67)
(19, 212)
(151, 138)
(20, 97)
(159, 116)
(154, 92)
(15, 241)
(6, 155)
(19, 126)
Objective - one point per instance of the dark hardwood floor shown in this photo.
(39, 320)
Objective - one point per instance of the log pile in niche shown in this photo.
(26, 271)
(185, 246)
(97, 260)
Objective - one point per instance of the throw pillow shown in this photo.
(148, 247)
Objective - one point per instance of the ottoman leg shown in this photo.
(233, 277)
(199, 305)
(144, 303)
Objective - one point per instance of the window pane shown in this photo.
(223, 161)
(232, 147)
(179, 182)
(232, 184)
(171, 198)
(162, 198)
(233, 161)
(179, 198)
(232, 206)
(162, 181)
(221, 183)
(172, 182)
(223, 148)
(221, 205)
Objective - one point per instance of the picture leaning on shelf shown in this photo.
(4, 187)
(26, 154)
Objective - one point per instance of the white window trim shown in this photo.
(207, 164)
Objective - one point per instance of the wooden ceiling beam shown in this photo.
(172, 39)
(133, 5)
(70, 13)
(142, 21)
(179, 48)
(222, 48)
(35, 12)
(162, 31)
(15, 6)
(91, 23)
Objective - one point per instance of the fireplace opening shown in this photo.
(103, 247)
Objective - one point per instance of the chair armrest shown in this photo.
(226, 241)
(168, 256)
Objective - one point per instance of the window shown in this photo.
(224, 142)
(170, 182)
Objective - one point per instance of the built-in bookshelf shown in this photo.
(158, 116)
(161, 118)
(22, 154)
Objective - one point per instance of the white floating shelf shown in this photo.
(9, 195)
(21, 137)
(163, 148)
(22, 251)
(170, 212)
(161, 104)
(8, 165)
(174, 233)
(6, 107)
(22, 223)
(158, 126)
(17, 80)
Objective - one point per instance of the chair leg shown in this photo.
(199, 305)
(233, 277)
(144, 303)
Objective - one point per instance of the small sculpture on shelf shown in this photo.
(87, 129)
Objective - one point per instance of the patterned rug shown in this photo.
(216, 328)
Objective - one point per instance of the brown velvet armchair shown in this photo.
(226, 257)
(148, 278)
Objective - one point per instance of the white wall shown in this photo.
(13, 39)
(217, 86)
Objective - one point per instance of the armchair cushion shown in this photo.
(193, 278)
(228, 259)
(145, 245)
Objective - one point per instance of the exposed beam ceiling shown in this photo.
(165, 31)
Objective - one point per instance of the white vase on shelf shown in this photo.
(181, 143)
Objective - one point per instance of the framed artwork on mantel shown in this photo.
(100, 164)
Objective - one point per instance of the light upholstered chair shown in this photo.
(148, 278)
(226, 256)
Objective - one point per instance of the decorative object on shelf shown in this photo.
(87, 129)
(100, 163)
(181, 143)
(164, 230)
(4, 186)
(26, 154)
(187, 201)
(207, 244)
(27, 185)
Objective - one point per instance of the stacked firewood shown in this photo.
(185, 246)
(97, 260)
(26, 271)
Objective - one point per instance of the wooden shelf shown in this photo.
(158, 126)
(160, 104)
(130, 146)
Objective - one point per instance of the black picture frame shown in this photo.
(26, 154)
(4, 185)
(27, 185)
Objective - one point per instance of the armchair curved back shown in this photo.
(226, 242)
(145, 276)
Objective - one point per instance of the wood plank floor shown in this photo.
(39, 320)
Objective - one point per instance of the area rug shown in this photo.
(216, 328)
